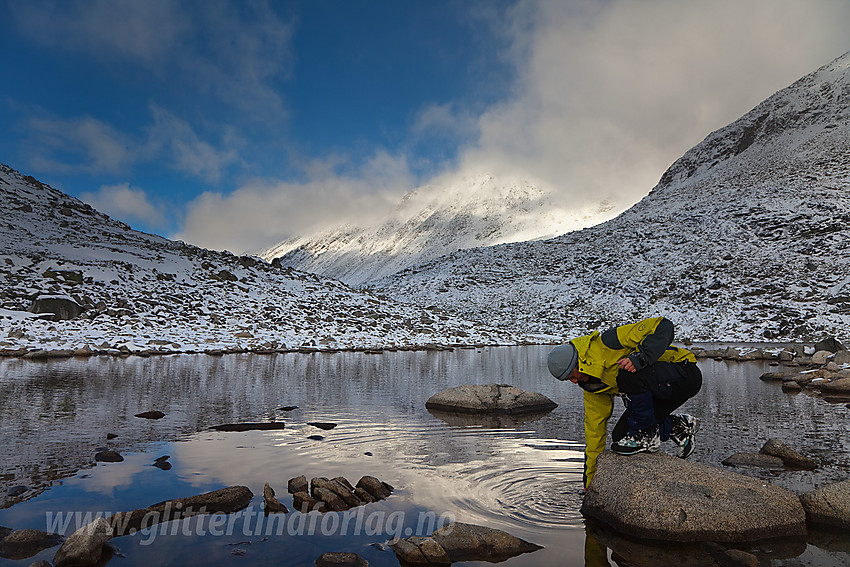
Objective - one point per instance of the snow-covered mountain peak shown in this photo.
(454, 212)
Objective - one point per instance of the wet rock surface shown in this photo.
(341, 559)
(272, 504)
(753, 460)
(108, 457)
(677, 500)
(460, 542)
(790, 457)
(489, 398)
(21, 544)
(85, 546)
(829, 505)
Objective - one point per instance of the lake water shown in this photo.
(522, 477)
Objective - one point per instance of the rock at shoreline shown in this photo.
(829, 344)
(340, 559)
(791, 458)
(489, 398)
(224, 501)
(829, 505)
(272, 504)
(85, 546)
(753, 460)
(155, 414)
(322, 425)
(22, 544)
(261, 426)
(841, 385)
(677, 500)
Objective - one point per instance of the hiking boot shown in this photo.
(684, 429)
(641, 441)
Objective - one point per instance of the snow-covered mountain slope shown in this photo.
(134, 291)
(451, 214)
(746, 237)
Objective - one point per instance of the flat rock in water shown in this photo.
(262, 426)
(340, 559)
(108, 457)
(155, 414)
(84, 546)
(676, 500)
(829, 505)
(322, 425)
(489, 398)
(754, 460)
(840, 385)
(791, 458)
(21, 544)
(468, 542)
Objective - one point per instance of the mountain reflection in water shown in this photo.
(522, 475)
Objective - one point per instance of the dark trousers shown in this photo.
(653, 393)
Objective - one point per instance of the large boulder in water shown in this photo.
(829, 505)
(489, 398)
(657, 496)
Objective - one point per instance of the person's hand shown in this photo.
(627, 365)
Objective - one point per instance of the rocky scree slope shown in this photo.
(125, 290)
(434, 220)
(744, 238)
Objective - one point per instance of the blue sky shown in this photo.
(237, 124)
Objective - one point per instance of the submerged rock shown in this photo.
(262, 426)
(340, 559)
(21, 544)
(753, 460)
(223, 501)
(85, 546)
(461, 542)
(791, 458)
(829, 505)
(676, 500)
(489, 398)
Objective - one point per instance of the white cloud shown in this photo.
(609, 94)
(263, 212)
(128, 204)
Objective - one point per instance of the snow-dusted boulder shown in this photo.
(62, 307)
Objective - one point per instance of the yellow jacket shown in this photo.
(644, 343)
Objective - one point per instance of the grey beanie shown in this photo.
(562, 360)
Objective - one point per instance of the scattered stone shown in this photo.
(239, 552)
(842, 357)
(829, 505)
(331, 499)
(162, 458)
(494, 398)
(298, 484)
(273, 505)
(730, 557)
(155, 414)
(315, 437)
(303, 502)
(163, 465)
(791, 387)
(678, 500)
(262, 426)
(468, 542)
(789, 456)
(377, 488)
(21, 544)
(322, 425)
(287, 408)
(223, 501)
(85, 546)
(15, 491)
(754, 460)
(108, 456)
(339, 559)
(110, 436)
